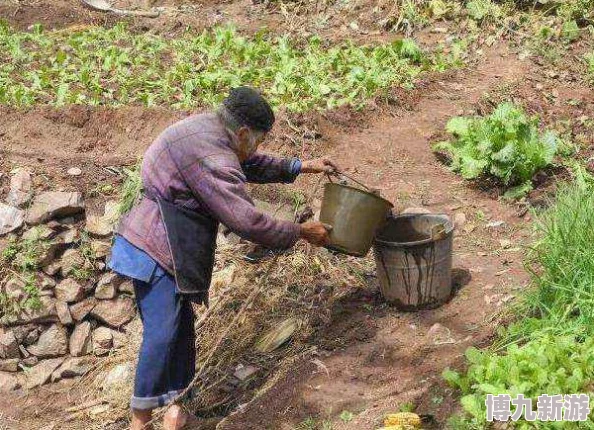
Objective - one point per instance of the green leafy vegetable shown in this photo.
(506, 145)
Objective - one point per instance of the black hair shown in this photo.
(249, 108)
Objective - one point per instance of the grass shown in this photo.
(550, 349)
(113, 66)
(19, 261)
(131, 189)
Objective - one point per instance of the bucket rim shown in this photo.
(390, 204)
(448, 233)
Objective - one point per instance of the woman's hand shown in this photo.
(315, 232)
(319, 165)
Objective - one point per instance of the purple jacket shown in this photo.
(192, 164)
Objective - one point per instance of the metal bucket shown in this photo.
(355, 215)
(413, 254)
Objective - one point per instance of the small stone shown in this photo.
(80, 340)
(495, 224)
(21, 189)
(69, 236)
(30, 361)
(54, 204)
(103, 224)
(105, 292)
(243, 373)
(45, 282)
(63, 313)
(505, 243)
(9, 346)
(102, 340)
(52, 343)
(22, 331)
(46, 313)
(71, 261)
(74, 171)
(100, 249)
(52, 269)
(126, 287)
(42, 372)
(39, 232)
(72, 368)
(459, 220)
(69, 291)
(9, 382)
(414, 210)
(80, 310)
(11, 218)
(439, 334)
(9, 365)
(119, 376)
(108, 285)
(116, 312)
(15, 289)
(31, 338)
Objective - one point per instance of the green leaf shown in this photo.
(518, 192)
(458, 126)
(570, 31)
(346, 416)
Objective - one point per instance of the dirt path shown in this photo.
(380, 358)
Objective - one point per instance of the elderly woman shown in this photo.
(194, 176)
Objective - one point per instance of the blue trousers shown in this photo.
(167, 358)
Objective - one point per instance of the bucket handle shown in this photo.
(338, 173)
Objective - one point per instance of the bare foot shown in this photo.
(175, 418)
(140, 419)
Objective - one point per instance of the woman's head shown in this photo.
(249, 116)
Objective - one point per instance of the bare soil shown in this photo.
(371, 358)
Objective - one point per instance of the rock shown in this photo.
(24, 352)
(108, 285)
(117, 377)
(495, 224)
(9, 365)
(103, 224)
(105, 292)
(46, 313)
(21, 332)
(69, 236)
(72, 368)
(11, 218)
(52, 269)
(80, 340)
(126, 287)
(52, 343)
(102, 340)
(54, 204)
(243, 373)
(80, 310)
(63, 313)
(71, 260)
(45, 282)
(42, 372)
(438, 334)
(21, 189)
(116, 312)
(9, 382)
(415, 210)
(459, 220)
(119, 339)
(100, 249)
(9, 346)
(69, 291)
(15, 289)
(31, 338)
(29, 361)
(49, 252)
(74, 171)
(39, 232)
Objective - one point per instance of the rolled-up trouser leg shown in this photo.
(167, 354)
